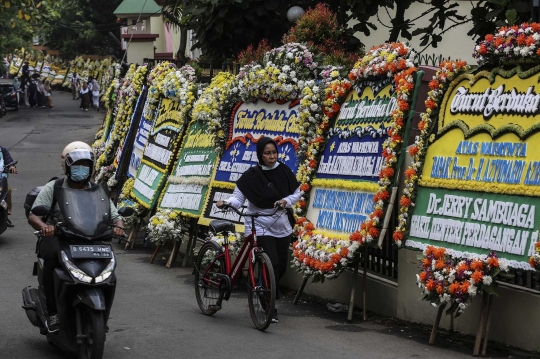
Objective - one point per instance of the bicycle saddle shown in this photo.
(220, 225)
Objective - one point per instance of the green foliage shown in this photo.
(223, 28)
(18, 21)
(251, 54)
(83, 27)
(488, 15)
(319, 29)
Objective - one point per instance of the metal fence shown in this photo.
(430, 59)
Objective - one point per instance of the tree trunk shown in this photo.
(398, 21)
(181, 54)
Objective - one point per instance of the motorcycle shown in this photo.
(3, 198)
(85, 283)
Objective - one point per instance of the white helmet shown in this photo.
(76, 151)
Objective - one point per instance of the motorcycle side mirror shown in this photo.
(41, 211)
(125, 211)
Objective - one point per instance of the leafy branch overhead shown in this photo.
(223, 28)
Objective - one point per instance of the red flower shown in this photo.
(413, 150)
(374, 232)
(403, 105)
(398, 236)
(386, 172)
(410, 172)
(405, 201)
(482, 49)
(304, 187)
(430, 285)
(522, 39)
(477, 265)
(431, 104)
(493, 262)
(356, 237)
(433, 84)
(383, 195)
(477, 276)
(489, 37)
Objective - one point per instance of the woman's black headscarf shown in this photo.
(257, 187)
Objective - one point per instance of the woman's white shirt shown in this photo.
(276, 226)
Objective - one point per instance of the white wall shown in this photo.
(456, 44)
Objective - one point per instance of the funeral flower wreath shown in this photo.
(320, 253)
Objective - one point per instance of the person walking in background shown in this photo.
(90, 88)
(25, 84)
(32, 93)
(16, 87)
(84, 94)
(95, 94)
(75, 85)
(48, 94)
(26, 70)
(40, 94)
(16, 84)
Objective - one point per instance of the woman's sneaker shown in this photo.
(274, 317)
(53, 324)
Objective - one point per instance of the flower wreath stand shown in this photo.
(192, 229)
(376, 229)
(484, 323)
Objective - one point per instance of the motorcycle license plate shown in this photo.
(91, 251)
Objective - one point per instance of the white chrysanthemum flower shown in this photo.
(487, 280)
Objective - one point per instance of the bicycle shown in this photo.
(215, 277)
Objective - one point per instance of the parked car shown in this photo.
(10, 96)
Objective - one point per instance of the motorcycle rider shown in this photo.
(6, 158)
(77, 163)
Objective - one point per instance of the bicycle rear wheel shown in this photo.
(262, 291)
(208, 288)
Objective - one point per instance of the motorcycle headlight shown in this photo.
(107, 271)
(74, 270)
(3, 204)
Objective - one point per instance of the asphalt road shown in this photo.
(155, 314)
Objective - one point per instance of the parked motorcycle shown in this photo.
(85, 283)
(3, 198)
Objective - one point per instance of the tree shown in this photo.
(225, 27)
(83, 28)
(18, 22)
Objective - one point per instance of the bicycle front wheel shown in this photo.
(208, 287)
(262, 291)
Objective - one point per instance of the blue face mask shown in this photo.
(79, 173)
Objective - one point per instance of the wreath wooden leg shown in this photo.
(436, 324)
(132, 236)
(488, 323)
(481, 325)
(194, 227)
(353, 291)
(364, 283)
(155, 254)
(174, 253)
(300, 291)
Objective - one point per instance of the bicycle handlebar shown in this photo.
(252, 215)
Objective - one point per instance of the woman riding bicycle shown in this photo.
(266, 185)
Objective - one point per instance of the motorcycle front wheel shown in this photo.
(93, 327)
